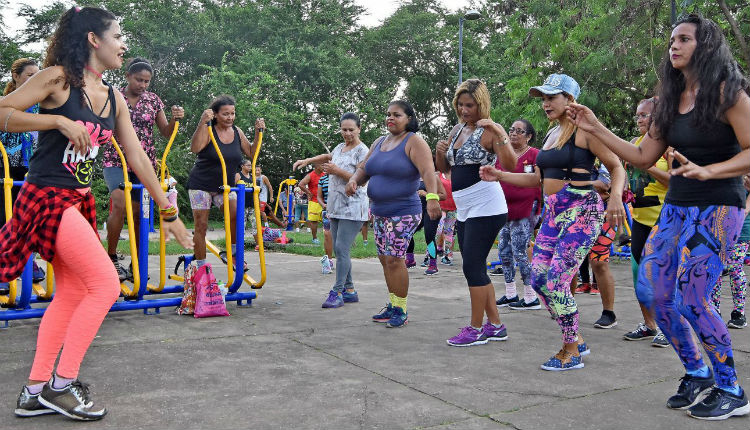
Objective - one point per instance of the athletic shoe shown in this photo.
(737, 320)
(399, 318)
(505, 301)
(494, 333)
(73, 401)
(426, 261)
(583, 287)
(719, 405)
(563, 360)
(348, 297)
(439, 252)
(37, 274)
(364, 243)
(497, 271)
(469, 336)
(446, 260)
(28, 405)
(316, 241)
(432, 267)
(624, 239)
(690, 391)
(607, 320)
(660, 340)
(384, 315)
(325, 264)
(521, 305)
(334, 300)
(583, 349)
(331, 262)
(409, 261)
(594, 289)
(4, 288)
(641, 333)
(121, 272)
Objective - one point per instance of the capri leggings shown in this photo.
(447, 227)
(86, 287)
(475, 239)
(737, 278)
(392, 234)
(639, 234)
(681, 262)
(572, 221)
(513, 246)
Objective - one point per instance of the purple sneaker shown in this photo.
(432, 268)
(494, 333)
(410, 261)
(469, 336)
(348, 297)
(334, 300)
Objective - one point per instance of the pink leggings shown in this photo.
(86, 286)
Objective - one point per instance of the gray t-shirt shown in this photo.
(340, 206)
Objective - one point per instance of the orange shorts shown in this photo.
(601, 249)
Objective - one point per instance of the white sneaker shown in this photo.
(325, 265)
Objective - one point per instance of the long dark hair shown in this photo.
(713, 65)
(413, 125)
(69, 45)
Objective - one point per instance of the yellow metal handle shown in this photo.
(127, 292)
(256, 211)
(225, 195)
(162, 236)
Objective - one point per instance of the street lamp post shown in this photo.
(470, 15)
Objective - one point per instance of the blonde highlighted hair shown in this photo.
(479, 92)
(567, 127)
(17, 69)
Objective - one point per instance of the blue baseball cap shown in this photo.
(556, 84)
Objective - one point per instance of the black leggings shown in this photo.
(430, 229)
(638, 235)
(475, 239)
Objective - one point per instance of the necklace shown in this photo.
(90, 69)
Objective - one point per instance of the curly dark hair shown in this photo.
(69, 46)
(713, 65)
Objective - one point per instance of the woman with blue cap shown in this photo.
(573, 210)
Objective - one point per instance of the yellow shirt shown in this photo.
(649, 193)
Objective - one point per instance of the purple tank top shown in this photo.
(394, 181)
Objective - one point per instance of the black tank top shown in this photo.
(559, 163)
(714, 144)
(206, 173)
(248, 180)
(55, 162)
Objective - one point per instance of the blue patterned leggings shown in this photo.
(513, 245)
(681, 262)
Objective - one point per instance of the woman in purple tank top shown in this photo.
(393, 168)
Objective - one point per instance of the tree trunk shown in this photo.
(737, 33)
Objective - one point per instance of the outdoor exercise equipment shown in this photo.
(290, 183)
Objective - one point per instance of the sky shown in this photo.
(377, 10)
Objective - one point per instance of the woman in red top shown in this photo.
(55, 211)
(524, 208)
(447, 226)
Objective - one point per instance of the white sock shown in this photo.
(35, 388)
(510, 289)
(529, 295)
(59, 382)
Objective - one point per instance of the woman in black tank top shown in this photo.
(79, 113)
(702, 112)
(206, 176)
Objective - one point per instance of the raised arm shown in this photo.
(495, 139)
(166, 128)
(318, 159)
(441, 149)
(200, 136)
(247, 148)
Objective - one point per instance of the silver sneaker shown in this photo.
(28, 405)
(660, 341)
(73, 401)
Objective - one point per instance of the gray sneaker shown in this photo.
(28, 405)
(660, 341)
(73, 401)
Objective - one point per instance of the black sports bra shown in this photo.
(559, 163)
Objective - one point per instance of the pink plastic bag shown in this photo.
(209, 302)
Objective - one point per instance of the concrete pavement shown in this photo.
(287, 363)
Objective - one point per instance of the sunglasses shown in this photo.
(516, 131)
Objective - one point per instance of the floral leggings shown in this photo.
(572, 221)
(681, 262)
(447, 228)
(513, 246)
(737, 278)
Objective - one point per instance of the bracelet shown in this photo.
(5, 127)
(170, 219)
(431, 196)
(169, 213)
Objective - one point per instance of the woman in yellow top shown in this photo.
(649, 187)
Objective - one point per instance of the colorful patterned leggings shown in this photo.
(681, 262)
(447, 228)
(572, 222)
(737, 278)
(393, 234)
(513, 245)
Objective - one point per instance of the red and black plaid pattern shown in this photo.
(36, 218)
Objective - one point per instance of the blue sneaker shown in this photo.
(316, 242)
(583, 349)
(399, 318)
(720, 405)
(384, 315)
(350, 297)
(563, 360)
(334, 300)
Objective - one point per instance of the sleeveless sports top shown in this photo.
(55, 162)
(704, 146)
(466, 160)
(394, 181)
(559, 163)
(206, 172)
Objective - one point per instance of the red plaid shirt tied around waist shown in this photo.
(33, 228)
